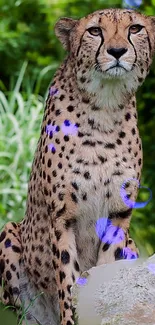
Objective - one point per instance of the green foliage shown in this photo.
(19, 130)
(25, 34)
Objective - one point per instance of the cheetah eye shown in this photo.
(95, 31)
(134, 29)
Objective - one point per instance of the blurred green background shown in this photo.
(29, 57)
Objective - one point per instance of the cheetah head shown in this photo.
(112, 46)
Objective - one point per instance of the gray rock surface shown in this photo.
(121, 293)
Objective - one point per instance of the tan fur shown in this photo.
(71, 188)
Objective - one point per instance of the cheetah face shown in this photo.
(112, 44)
(118, 48)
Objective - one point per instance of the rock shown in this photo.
(121, 293)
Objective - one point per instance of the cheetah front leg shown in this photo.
(66, 266)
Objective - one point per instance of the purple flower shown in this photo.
(69, 128)
(53, 91)
(81, 281)
(130, 203)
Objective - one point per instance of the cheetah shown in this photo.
(88, 149)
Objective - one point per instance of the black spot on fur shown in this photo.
(61, 196)
(61, 211)
(82, 79)
(75, 186)
(38, 261)
(133, 131)
(119, 141)
(69, 288)
(74, 198)
(87, 175)
(13, 267)
(65, 257)
(102, 159)
(73, 277)
(66, 305)
(105, 247)
(110, 145)
(122, 134)
(7, 242)
(118, 254)
(57, 112)
(8, 275)
(49, 163)
(76, 266)
(66, 138)
(69, 323)
(58, 234)
(70, 108)
(2, 266)
(127, 116)
(16, 249)
(121, 214)
(54, 249)
(2, 236)
(62, 97)
(15, 291)
(62, 276)
(139, 162)
(89, 143)
(84, 197)
(117, 173)
(36, 273)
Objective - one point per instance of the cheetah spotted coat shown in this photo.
(88, 149)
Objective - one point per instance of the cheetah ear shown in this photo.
(62, 30)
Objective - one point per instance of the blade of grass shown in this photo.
(18, 85)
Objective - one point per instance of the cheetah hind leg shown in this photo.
(10, 271)
(10, 254)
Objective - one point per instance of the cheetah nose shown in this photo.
(117, 52)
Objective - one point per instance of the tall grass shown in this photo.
(20, 118)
